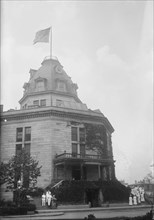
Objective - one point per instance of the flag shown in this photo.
(42, 36)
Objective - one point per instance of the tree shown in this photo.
(3, 173)
(96, 138)
(149, 178)
(20, 167)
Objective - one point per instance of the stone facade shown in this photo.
(50, 108)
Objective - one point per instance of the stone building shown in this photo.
(52, 125)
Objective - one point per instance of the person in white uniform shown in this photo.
(130, 200)
(43, 199)
(135, 200)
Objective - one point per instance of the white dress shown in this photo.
(49, 199)
(139, 198)
(130, 201)
(135, 200)
(46, 197)
(43, 200)
(142, 197)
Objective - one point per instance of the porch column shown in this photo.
(56, 173)
(107, 173)
(104, 173)
(99, 172)
(65, 171)
(113, 171)
(81, 169)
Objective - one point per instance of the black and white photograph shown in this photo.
(76, 110)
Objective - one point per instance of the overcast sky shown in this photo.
(106, 47)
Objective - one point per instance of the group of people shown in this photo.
(49, 200)
(136, 196)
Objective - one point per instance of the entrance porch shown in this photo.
(87, 167)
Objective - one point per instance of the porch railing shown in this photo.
(79, 156)
(57, 184)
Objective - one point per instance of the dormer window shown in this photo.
(61, 86)
(26, 87)
(40, 84)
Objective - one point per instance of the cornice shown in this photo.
(69, 114)
(26, 95)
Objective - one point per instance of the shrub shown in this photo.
(2, 202)
(70, 191)
(115, 191)
(31, 207)
(10, 208)
(74, 191)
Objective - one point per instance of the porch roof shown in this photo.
(70, 158)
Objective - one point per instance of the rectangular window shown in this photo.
(59, 103)
(26, 171)
(18, 149)
(82, 150)
(27, 148)
(19, 133)
(27, 133)
(36, 102)
(74, 150)
(82, 134)
(43, 102)
(74, 134)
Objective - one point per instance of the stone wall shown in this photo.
(49, 136)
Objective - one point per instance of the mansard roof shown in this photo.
(51, 71)
(50, 83)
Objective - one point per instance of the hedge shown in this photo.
(74, 191)
(10, 208)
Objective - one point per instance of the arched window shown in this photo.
(40, 86)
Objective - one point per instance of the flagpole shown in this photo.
(51, 42)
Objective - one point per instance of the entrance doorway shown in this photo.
(76, 173)
(92, 196)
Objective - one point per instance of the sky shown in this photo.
(106, 47)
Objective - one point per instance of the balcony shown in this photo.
(72, 157)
